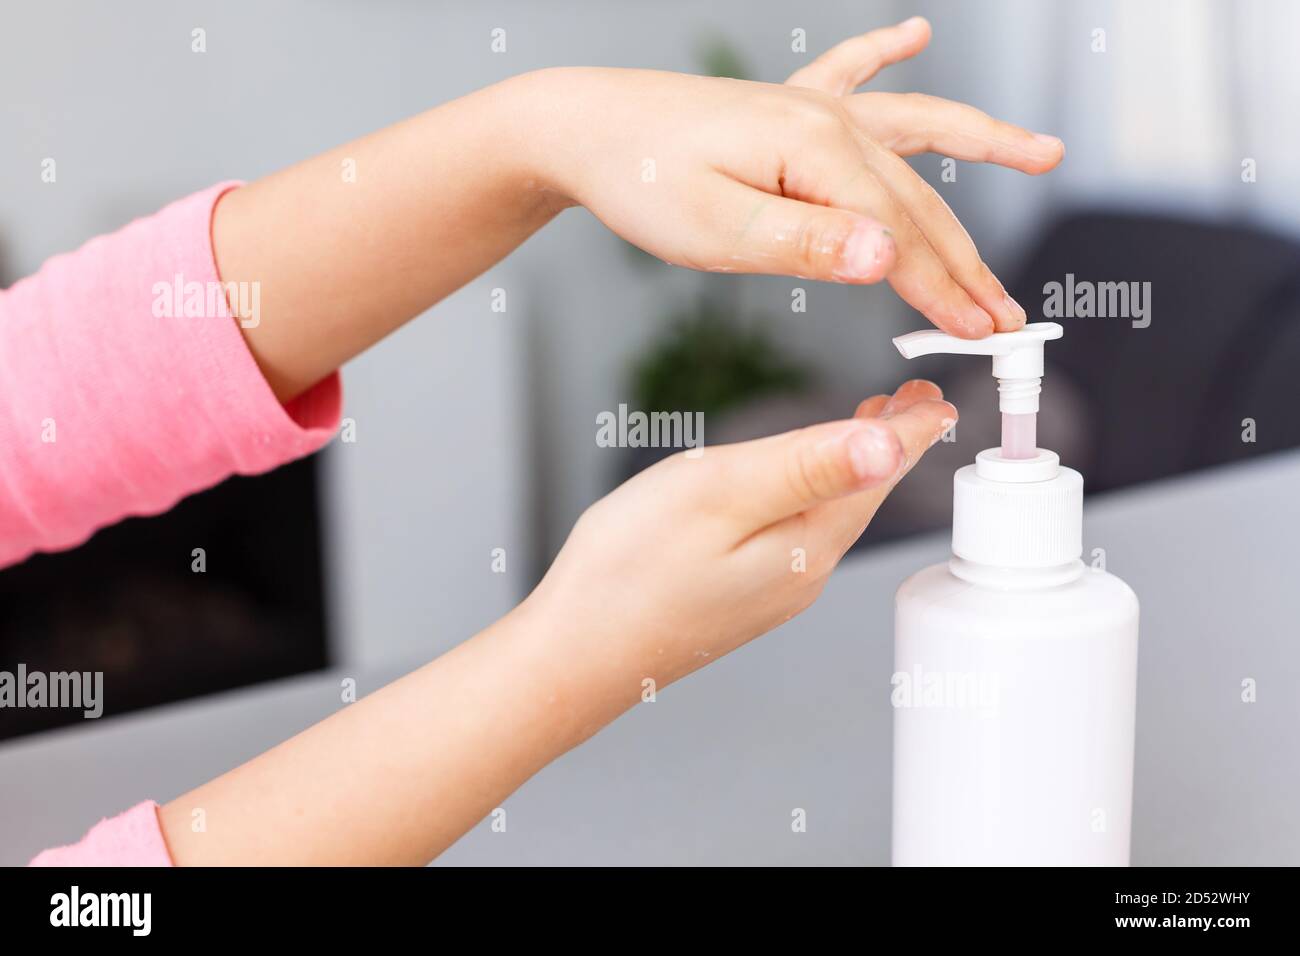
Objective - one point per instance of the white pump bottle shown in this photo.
(1015, 681)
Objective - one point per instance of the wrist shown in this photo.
(543, 105)
(587, 674)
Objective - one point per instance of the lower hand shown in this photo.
(698, 555)
(685, 562)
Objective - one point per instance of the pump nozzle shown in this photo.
(1017, 365)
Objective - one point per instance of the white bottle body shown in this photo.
(1014, 707)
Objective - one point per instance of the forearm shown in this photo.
(350, 245)
(398, 776)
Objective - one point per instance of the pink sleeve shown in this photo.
(132, 838)
(126, 385)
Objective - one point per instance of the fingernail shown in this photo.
(874, 453)
(1016, 308)
(866, 253)
(1053, 141)
(912, 22)
(910, 386)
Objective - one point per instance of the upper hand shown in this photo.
(805, 179)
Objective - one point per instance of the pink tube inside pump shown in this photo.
(1018, 367)
(1019, 436)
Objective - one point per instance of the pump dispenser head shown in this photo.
(1016, 507)
(1018, 367)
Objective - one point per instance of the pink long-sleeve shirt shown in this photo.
(119, 400)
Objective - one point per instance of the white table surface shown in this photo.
(711, 771)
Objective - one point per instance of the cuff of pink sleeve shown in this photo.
(133, 838)
(156, 395)
(260, 432)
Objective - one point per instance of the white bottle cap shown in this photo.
(1026, 521)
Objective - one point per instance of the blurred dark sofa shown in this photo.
(1223, 344)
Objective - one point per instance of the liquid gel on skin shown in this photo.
(1014, 742)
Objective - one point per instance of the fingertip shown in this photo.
(950, 410)
(972, 324)
(948, 416)
(875, 452)
(917, 24)
(868, 253)
(910, 393)
(871, 407)
(1052, 149)
(940, 415)
(1013, 315)
(922, 388)
(943, 408)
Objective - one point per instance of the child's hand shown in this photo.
(685, 562)
(801, 179)
(698, 555)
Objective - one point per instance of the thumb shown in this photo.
(789, 237)
(772, 478)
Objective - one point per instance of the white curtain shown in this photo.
(1160, 102)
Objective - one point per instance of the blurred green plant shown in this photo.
(719, 58)
(707, 363)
